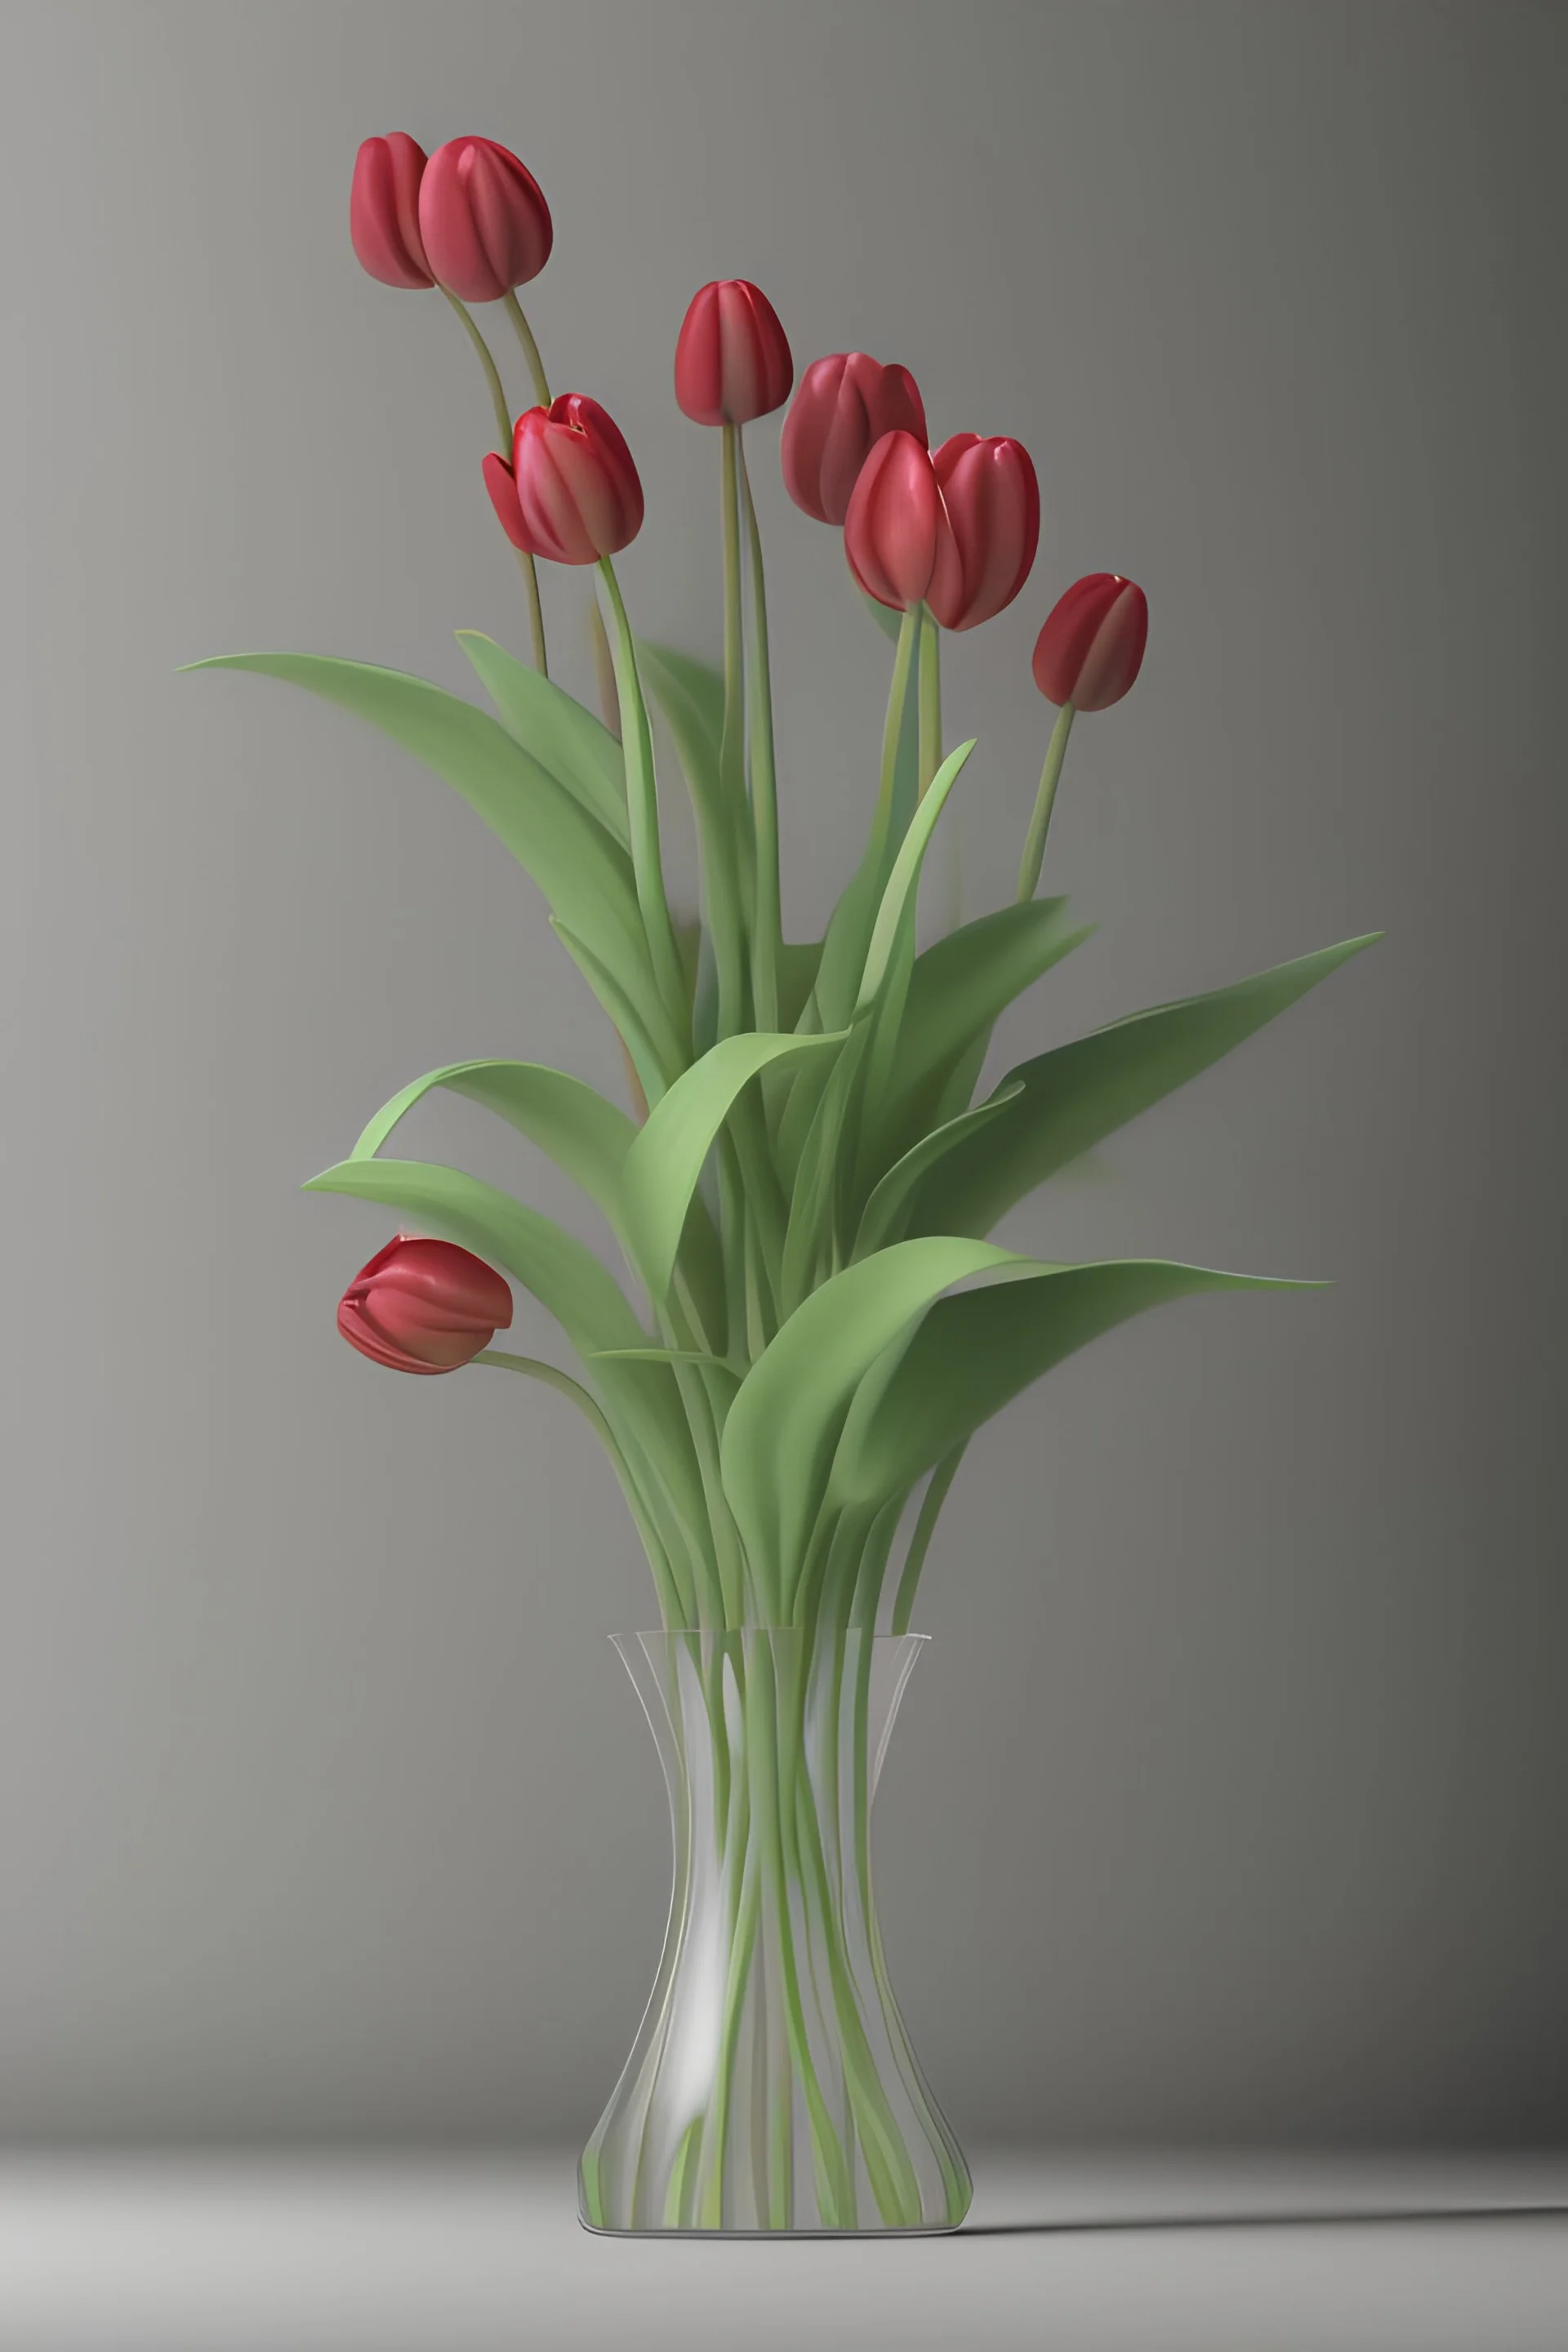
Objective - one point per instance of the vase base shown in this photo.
(913, 2229)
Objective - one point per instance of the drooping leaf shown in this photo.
(562, 1272)
(783, 1427)
(880, 1218)
(1078, 1094)
(578, 750)
(586, 879)
(586, 1136)
(659, 1177)
(971, 1354)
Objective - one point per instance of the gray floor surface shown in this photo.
(1091, 2253)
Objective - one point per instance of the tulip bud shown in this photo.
(992, 503)
(383, 210)
(843, 405)
(732, 360)
(1091, 649)
(485, 223)
(424, 1305)
(895, 523)
(570, 492)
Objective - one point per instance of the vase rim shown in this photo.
(729, 1632)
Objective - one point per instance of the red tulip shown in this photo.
(732, 360)
(424, 1307)
(383, 210)
(992, 503)
(1091, 649)
(571, 491)
(895, 524)
(484, 225)
(843, 405)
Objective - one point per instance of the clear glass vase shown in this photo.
(772, 2087)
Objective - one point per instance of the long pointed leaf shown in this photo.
(1078, 1094)
(897, 897)
(783, 1427)
(579, 750)
(662, 1167)
(586, 879)
(973, 1354)
(587, 1138)
(880, 1218)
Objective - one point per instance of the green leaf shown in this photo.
(958, 987)
(586, 1136)
(1078, 1094)
(586, 879)
(973, 1354)
(563, 1274)
(881, 1214)
(848, 935)
(784, 1425)
(659, 1177)
(579, 750)
(642, 1024)
(899, 895)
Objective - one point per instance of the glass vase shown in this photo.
(771, 2088)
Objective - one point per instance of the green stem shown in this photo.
(903, 654)
(1039, 825)
(533, 1368)
(935, 1496)
(642, 813)
(504, 445)
(513, 309)
(930, 699)
(768, 932)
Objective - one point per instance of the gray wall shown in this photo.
(1229, 1800)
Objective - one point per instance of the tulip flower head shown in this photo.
(992, 501)
(483, 220)
(383, 210)
(732, 360)
(841, 409)
(424, 1305)
(571, 491)
(894, 525)
(1091, 647)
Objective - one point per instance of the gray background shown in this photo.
(1228, 1801)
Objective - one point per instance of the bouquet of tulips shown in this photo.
(815, 1158)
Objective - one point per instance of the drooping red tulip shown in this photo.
(732, 359)
(1091, 649)
(484, 221)
(993, 504)
(423, 1305)
(842, 408)
(570, 492)
(895, 524)
(383, 210)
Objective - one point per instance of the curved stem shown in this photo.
(1040, 823)
(642, 812)
(769, 934)
(930, 699)
(935, 1496)
(535, 1369)
(513, 309)
(503, 446)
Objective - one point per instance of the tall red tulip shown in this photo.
(570, 492)
(992, 505)
(732, 359)
(842, 408)
(424, 1305)
(1091, 649)
(383, 210)
(484, 221)
(894, 527)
